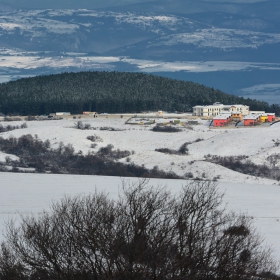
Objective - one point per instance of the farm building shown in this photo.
(222, 120)
(218, 108)
(271, 117)
(264, 118)
(236, 116)
(268, 117)
(62, 113)
(252, 120)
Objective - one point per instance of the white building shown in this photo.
(218, 108)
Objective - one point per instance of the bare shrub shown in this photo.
(146, 233)
(183, 150)
(11, 127)
(166, 151)
(109, 153)
(276, 142)
(169, 129)
(87, 126)
(110, 128)
(79, 125)
(128, 159)
(94, 138)
(273, 160)
(189, 175)
(24, 125)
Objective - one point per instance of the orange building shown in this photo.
(252, 120)
(236, 116)
(222, 120)
(271, 117)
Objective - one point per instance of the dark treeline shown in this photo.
(111, 92)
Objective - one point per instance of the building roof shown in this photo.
(222, 117)
(219, 105)
(252, 117)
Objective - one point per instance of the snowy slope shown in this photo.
(256, 143)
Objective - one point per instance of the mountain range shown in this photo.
(232, 46)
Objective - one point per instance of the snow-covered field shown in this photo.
(256, 143)
(258, 197)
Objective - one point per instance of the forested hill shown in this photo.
(111, 92)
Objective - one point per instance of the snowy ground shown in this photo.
(22, 194)
(258, 197)
(257, 143)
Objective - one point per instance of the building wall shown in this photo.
(219, 122)
(264, 119)
(214, 110)
(249, 122)
(237, 117)
(270, 118)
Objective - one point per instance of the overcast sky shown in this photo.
(92, 4)
(68, 3)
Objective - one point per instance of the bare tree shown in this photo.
(146, 234)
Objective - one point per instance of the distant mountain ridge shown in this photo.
(141, 34)
(189, 33)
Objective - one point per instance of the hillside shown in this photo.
(57, 146)
(111, 92)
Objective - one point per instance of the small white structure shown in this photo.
(62, 113)
(218, 108)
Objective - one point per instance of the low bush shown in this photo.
(11, 127)
(80, 125)
(166, 151)
(94, 138)
(276, 142)
(169, 129)
(183, 150)
(110, 128)
(108, 153)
